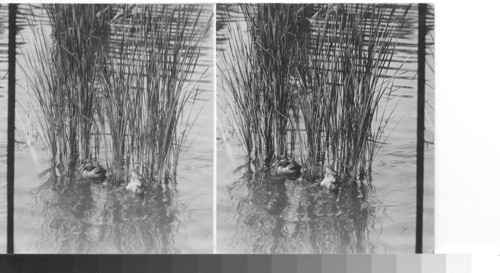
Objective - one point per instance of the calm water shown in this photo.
(95, 218)
(292, 216)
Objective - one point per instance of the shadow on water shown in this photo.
(282, 215)
(80, 216)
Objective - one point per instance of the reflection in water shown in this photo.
(85, 217)
(280, 215)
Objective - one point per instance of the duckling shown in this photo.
(329, 181)
(287, 167)
(136, 184)
(92, 170)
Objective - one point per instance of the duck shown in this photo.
(92, 170)
(136, 184)
(287, 167)
(329, 180)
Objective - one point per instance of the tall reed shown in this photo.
(65, 78)
(146, 85)
(259, 78)
(344, 79)
(313, 76)
(118, 75)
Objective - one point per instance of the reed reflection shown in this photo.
(281, 215)
(86, 217)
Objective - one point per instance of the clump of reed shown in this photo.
(312, 78)
(65, 76)
(117, 78)
(146, 85)
(261, 60)
(345, 78)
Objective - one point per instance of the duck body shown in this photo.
(92, 170)
(287, 167)
(329, 180)
(136, 184)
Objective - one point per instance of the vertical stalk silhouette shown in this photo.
(11, 127)
(422, 31)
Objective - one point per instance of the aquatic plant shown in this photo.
(116, 78)
(347, 74)
(261, 61)
(64, 75)
(313, 77)
(154, 54)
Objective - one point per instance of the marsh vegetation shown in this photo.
(111, 84)
(129, 88)
(309, 81)
(332, 87)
